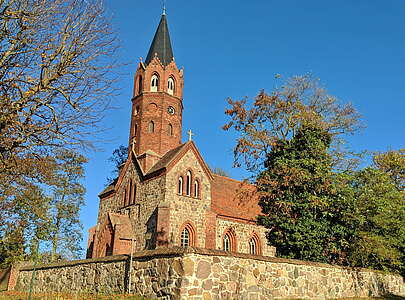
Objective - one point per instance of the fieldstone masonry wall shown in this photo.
(192, 273)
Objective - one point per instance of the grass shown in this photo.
(64, 296)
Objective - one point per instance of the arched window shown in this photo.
(129, 202)
(229, 240)
(227, 243)
(180, 186)
(135, 129)
(140, 85)
(254, 245)
(187, 235)
(151, 128)
(154, 83)
(188, 184)
(170, 130)
(185, 238)
(196, 189)
(125, 198)
(170, 86)
(133, 196)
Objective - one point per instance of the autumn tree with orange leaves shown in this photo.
(277, 116)
(317, 204)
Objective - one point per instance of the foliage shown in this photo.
(279, 115)
(378, 219)
(393, 164)
(55, 81)
(299, 201)
(220, 171)
(118, 158)
(45, 209)
(316, 202)
(65, 230)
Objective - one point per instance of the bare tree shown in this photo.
(56, 79)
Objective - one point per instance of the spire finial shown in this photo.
(190, 135)
(164, 8)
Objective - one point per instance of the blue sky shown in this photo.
(234, 49)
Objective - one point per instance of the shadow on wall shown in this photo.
(4, 277)
(393, 297)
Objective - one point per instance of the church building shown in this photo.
(165, 194)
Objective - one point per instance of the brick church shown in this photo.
(165, 194)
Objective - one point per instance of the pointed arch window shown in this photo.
(227, 243)
(170, 130)
(254, 245)
(187, 235)
(180, 186)
(129, 201)
(170, 86)
(133, 196)
(151, 127)
(140, 85)
(185, 238)
(196, 189)
(125, 198)
(229, 240)
(154, 83)
(188, 184)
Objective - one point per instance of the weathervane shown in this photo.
(164, 7)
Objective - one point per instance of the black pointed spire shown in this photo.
(161, 44)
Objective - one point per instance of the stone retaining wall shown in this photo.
(192, 273)
(104, 275)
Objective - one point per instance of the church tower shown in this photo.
(157, 103)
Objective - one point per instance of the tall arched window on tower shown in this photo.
(188, 184)
(151, 128)
(140, 85)
(180, 186)
(154, 83)
(170, 130)
(170, 86)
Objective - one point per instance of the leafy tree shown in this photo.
(379, 217)
(65, 230)
(279, 115)
(118, 158)
(393, 164)
(296, 196)
(46, 210)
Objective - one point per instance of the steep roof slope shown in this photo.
(233, 198)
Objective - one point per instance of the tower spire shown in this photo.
(164, 8)
(161, 45)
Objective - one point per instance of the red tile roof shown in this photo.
(233, 198)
